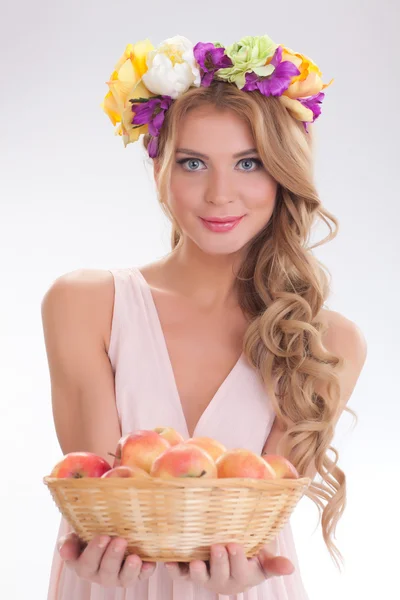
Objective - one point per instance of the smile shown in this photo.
(219, 226)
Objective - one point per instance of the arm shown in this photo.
(342, 338)
(75, 313)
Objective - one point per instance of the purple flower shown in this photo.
(151, 111)
(276, 83)
(313, 103)
(152, 148)
(210, 60)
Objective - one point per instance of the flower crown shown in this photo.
(146, 80)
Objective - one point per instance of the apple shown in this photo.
(125, 471)
(80, 464)
(213, 447)
(184, 460)
(140, 448)
(282, 466)
(117, 455)
(170, 434)
(243, 463)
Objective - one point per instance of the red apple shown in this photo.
(184, 460)
(117, 455)
(125, 471)
(241, 462)
(282, 466)
(170, 434)
(214, 448)
(80, 464)
(141, 448)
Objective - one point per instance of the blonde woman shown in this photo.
(227, 336)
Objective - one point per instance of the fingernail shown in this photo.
(133, 562)
(119, 546)
(103, 541)
(60, 543)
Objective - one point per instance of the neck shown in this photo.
(207, 279)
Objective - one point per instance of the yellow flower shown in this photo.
(125, 83)
(296, 108)
(308, 83)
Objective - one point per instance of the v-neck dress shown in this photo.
(239, 415)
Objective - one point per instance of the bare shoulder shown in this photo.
(344, 338)
(85, 285)
(84, 278)
(90, 291)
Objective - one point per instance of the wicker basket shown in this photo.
(178, 519)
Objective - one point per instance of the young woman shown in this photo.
(226, 336)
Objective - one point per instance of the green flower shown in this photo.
(249, 54)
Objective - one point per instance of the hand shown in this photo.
(232, 572)
(102, 561)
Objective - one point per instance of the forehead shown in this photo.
(213, 129)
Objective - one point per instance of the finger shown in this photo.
(273, 566)
(69, 547)
(177, 570)
(198, 571)
(219, 564)
(110, 565)
(89, 561)
(239, 567)
(147, 570)
(130, 570)
(278, 565)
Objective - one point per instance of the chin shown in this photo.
(220, 247)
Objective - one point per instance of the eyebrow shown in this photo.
(237, 155)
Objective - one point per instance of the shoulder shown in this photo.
(84, 293)
(82, 283)
(343, 337)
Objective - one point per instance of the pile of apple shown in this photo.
(163, 452)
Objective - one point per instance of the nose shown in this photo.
(220, 189)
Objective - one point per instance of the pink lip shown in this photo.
(222, 219)
(222, 225)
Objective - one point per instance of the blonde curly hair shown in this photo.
(282, 287)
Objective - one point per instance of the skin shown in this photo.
(202, 269)
(228, 571)
(215, 187)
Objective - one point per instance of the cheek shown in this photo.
(184, 197)
(181, 204)
(261, 196)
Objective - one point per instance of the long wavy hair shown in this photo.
(282, 287)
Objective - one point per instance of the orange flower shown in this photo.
(308, 83)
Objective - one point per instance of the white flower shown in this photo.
(172, 68)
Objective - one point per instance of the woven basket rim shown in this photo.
(179, 482)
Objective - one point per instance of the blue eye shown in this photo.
(250, 159)
(185, 160)
(254, 160)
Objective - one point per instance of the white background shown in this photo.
(73, 197)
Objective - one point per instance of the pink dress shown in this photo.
(239, 415)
